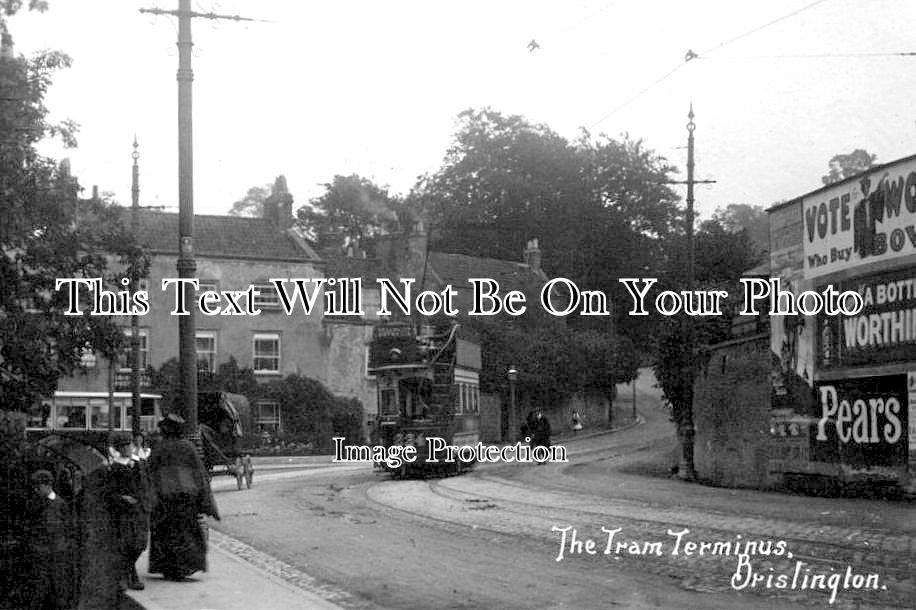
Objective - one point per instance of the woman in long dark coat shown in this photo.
(181, 492)
(540, 435)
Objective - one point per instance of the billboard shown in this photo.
(868, 219)
(883, 332)
(862, 422)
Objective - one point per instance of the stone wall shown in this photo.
(490, 418)
(346, 374)
(732, 414)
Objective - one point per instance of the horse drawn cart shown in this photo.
(223, 419)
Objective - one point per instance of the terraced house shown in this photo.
(233, 253)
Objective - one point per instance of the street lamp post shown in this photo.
(513, 377)
(134, 287)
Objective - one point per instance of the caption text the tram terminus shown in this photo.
(558, 297)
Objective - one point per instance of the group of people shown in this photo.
(83, 552)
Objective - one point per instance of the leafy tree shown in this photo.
(46, 232)
(846, 166)
(351, 206)
(310, 411)
(753, 219)
(675, 370)
(252, 204)
(722, 255)
(598, 206)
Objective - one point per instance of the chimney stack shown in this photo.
(278, 207)
(532, 255)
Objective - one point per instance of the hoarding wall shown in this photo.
(844, 387)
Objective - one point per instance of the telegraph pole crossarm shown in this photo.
(189, 13)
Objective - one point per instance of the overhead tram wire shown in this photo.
(761, 27)
(635, 97)
(691, 56)
(815, 55)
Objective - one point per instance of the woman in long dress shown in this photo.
(181, 492)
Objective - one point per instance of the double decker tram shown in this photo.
(428, 394)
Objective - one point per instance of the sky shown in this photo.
(374, 87)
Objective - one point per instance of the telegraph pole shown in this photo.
(187, 265)
(134, 286)
(686, 468)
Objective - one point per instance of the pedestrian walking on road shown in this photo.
(181, 492)
(541, 431)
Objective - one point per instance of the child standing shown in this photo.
(576, 422)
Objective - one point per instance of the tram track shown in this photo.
(506, 516)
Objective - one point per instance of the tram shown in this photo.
(428, 386)
(74, 411)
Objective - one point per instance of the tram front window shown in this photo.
(70, 416)
(98, 414)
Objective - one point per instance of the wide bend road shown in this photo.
(491, 539)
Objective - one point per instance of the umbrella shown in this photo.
(78, 452)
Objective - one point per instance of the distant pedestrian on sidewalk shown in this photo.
(181, 492)
(540, 434)
(576, 421)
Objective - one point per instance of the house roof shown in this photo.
(223, 237)
(457, 269)
(441, 268)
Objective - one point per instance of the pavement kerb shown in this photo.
(566, 437)
(255, 576)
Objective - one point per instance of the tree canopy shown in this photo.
(846, 166)
(351, 206)
(46, 232)
(252, 204)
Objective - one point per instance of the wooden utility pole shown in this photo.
(187, 265)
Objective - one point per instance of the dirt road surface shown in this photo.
(492, 538)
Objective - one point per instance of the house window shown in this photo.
(268, 419)
(266, 351)
(87, 358)
(366, 372)
(206, 350)
(268, 297)
(387, 403)
(207, 285)
(144, 350)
